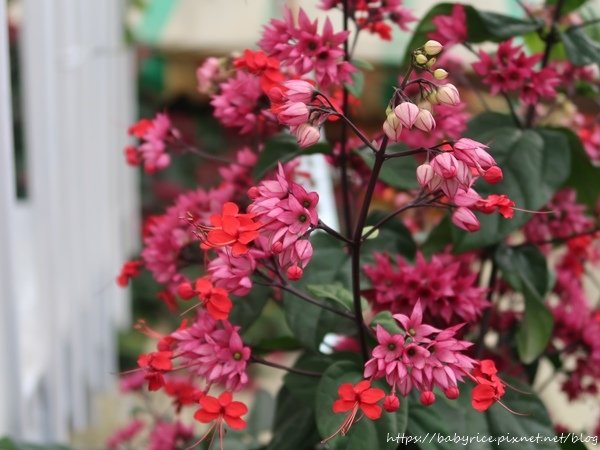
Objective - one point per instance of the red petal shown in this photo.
(230, 209)
(204, 416)
(371, 411)
(239, 249)
(372, 395)
(231, 225)
(235, 422)
(340, 406)
(346, 392)
(362, 386)
(210, 404)
(236, 409)
(220, 238)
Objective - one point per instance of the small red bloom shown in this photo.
(155, 364)
(489, 388)
(168, 299)
(216, 300)
(183, 393)
(391, 403)
(500, 203)
(140, 128)
(222, 408)
(353, 398)
(232, 229)
(129, 270)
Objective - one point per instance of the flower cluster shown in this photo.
(453, 170)
(452, 29)
(510, 70)
(286, 212)
(371, 15)
(152, 150)
(299, 46)
(421, 357)
(445, 287)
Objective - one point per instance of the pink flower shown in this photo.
(237, 105)
(169, 435)
(214, 350)
(451, 29)
(299, 91)
(464, 218)
(294, 114)
(232, 273)
(447, 94)
(153, 135)
(425, 121)
(208, 74)
(392, 127)
(301, 47)
(445, 287)
(124, 435)
(414, 324)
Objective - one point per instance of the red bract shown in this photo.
(232, 229)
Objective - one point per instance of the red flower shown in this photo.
(216, 300)
(489, 389)
(258, 63)
(353, 398)
(155, 364)
(500, 203)
(222, 408)
(232, 229)
(140, 128)
(129, 270)
(184, 393)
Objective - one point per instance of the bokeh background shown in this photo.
(73, 75)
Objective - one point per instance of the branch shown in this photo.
(485, 321)
(322, 226)
(264, 362)
(560, 239)
(344, 142)
(307, 298)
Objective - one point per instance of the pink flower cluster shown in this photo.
(213, 350)
(451, 122)
(151, 152)
(370, 15)
(421, 357)
(166, 235)
(453, 170)
(568, 217)
(297, 106)
(299, 46)
(445, 286)
(452, 29)
(169, 435)
(510, 70)
(237, 103)
(287, 212)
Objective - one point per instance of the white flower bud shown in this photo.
(448, 95)
(440, 74)
(392, 127)
(421, 59)
(425, 121)
(432, 47)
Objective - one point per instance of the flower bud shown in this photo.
(392, 127)
(427, 398)
(277, 247)
(294, 273)
(452, 393)
(493, 175)
(253, 193)
(431, 62)
(440, 74)
(432, 98)
(299, 91)
(448, 95)
(294, 114)
(185, 291)
(425, 121)
(465, 219)
(421, 59)
(424, 174)
(307, 135)
(407, 113)
(432, 47)
(391, 403)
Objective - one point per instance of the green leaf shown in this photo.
(302, 387)
(362, 64)
(535, 164)
(309, 323)
(581, 49)
(453, 420)
(365, 434)
(262, 413)
(248, 308)
(582, 171)
(283, 148)
(399, 173)
(294, 427)
(335, 292)
(385, 319)
(481, 26)
(568, 5)
(281, 343)
(358, 83)
(438, 238)
(526, 270)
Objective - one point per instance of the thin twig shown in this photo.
(264, 362)
(323, 226)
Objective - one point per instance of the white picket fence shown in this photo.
(61, 248)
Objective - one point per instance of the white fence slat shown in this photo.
(9, 368)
